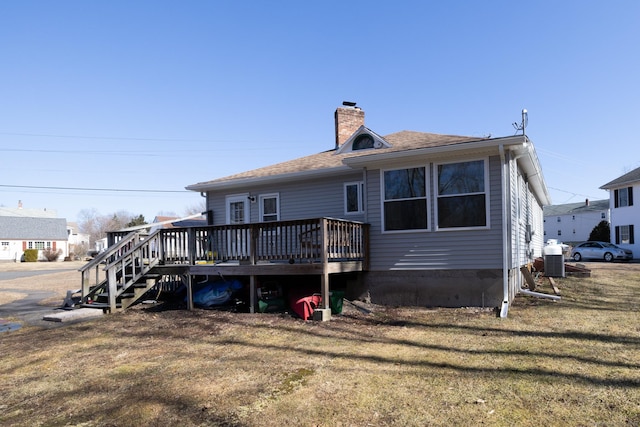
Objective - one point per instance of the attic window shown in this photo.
(362, 142)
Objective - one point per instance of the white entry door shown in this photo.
(238, 241)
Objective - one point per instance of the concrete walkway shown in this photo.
(28, 311)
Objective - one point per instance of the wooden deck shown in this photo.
(135, 262)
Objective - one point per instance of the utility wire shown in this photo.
(95, 189)
(127, 138)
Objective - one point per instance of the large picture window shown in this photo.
(461, 194)
(405, 199)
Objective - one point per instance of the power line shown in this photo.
(129, 138)
(113, 138)
(95, 189)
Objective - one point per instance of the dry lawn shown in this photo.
(575, 362)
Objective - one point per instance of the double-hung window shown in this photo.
(269, 207)
(354, 197)
(405, 199)
(624, 234)
(462, 194)
(623, 197)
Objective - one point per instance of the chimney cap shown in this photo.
(348, 104)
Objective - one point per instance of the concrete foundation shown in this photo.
(322, 314)
(430, 288)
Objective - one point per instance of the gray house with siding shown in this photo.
(452, 218)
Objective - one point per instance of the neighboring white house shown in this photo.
(18, 233)
(573, 222)
(625, 215)
(76, 238)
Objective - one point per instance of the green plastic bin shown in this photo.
(335, 301)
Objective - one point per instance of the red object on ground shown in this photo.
(303, 303)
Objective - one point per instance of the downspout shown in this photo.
(522, 290)
(506, 247)
(538, 294)
(365, 198)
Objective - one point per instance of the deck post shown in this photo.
(191, 242)
(189, 291)
(113, 288)
(253, 244)
(252, 294)
(324, 283)
(160, 248)
(324, 280)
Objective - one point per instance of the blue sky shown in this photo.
(157, 95)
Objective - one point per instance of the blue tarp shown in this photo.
(216, 293)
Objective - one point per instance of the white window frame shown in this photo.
(360, 187)
(426, 197)
(623, 197)
(235, 198)
(261, 200)
(625, 234)
(486, 193)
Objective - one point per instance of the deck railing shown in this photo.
(132, 256)
(290, 241)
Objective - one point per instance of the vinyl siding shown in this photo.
(477, 249)
(298, 200)
(435, 250)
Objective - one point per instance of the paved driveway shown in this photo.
(27, 309)
(10, 275)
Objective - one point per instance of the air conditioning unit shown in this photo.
(553, 261)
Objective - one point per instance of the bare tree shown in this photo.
(196, 208)
(94, 224)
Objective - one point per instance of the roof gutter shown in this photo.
(271, 179)
(534, 173)
(445, 149)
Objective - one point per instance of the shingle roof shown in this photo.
(25, 228)
(627, 178)
(400, 141)
(190, 222)
(28, 212)
(576, 208)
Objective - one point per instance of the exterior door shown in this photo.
(238, 242)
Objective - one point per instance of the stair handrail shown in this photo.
(87, 290)
(102, 256)
(128, 259)
(147, 240)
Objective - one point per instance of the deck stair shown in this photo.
(128, 273)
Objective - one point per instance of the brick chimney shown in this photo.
(348, 119)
